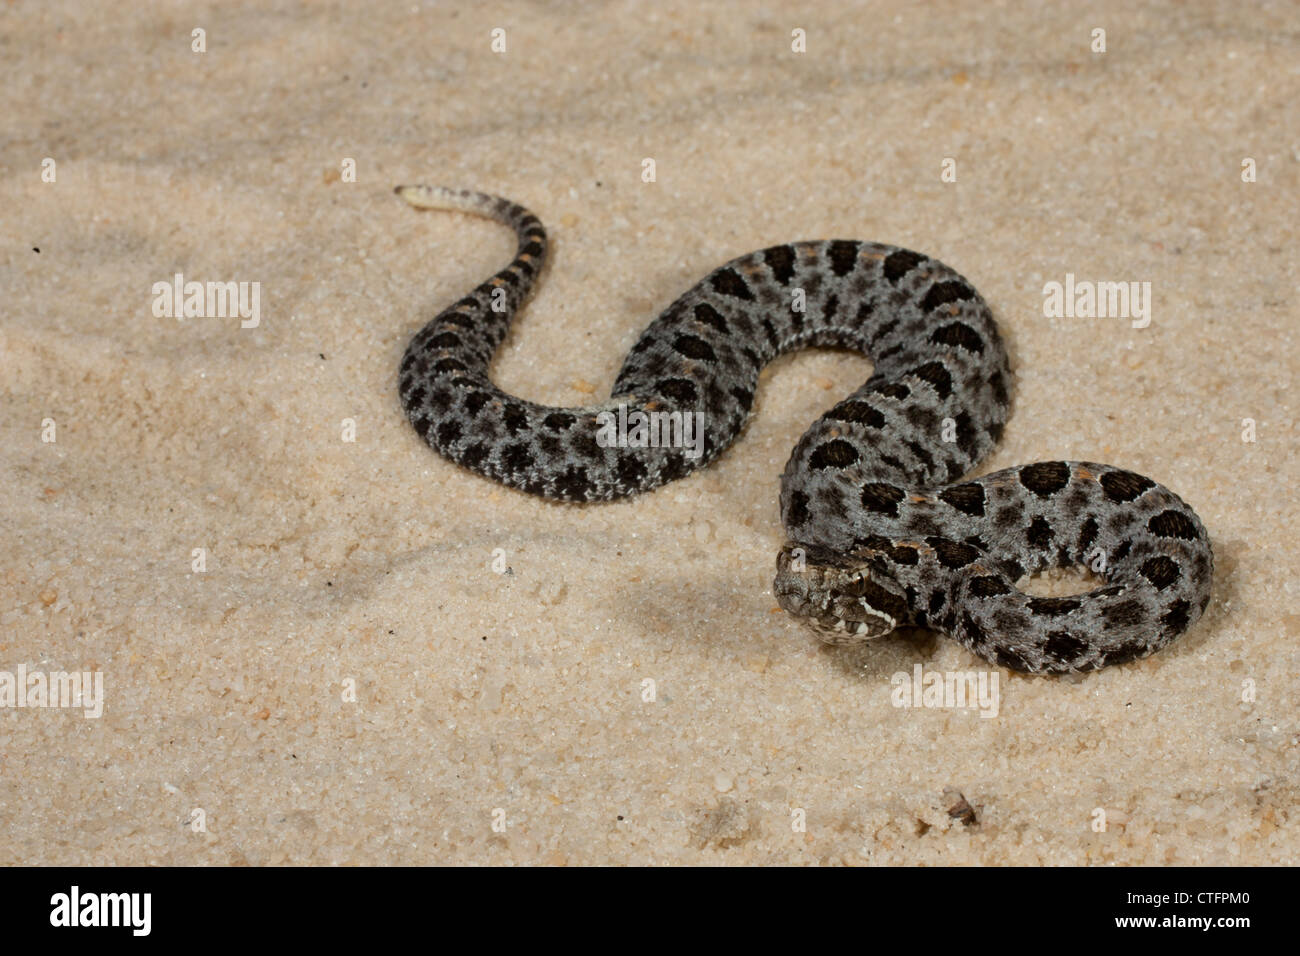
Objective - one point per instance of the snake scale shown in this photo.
(882, 531)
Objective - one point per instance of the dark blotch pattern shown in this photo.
(1160, 571)
(1172, 524)
(780, 259)
(1045, 478)
(834, 454)
(968, 498)
(729, 282)
(881, 498)
(1123, 486)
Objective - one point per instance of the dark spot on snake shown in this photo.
(881, 498)
(473, 455)
(967, 498)
(1124, 614)
(909, 598)
(938, 377)
(673, 467)
(515, 418)
(770, 331)
(1045, 478)
(1172, 524)
(843, 256)
(920, 454)
(473, 402)
(1007, 518)
(885, 329)
(1052, 606)
(1039, 534)
(729, 282)
(974, 633)
(953, 554)
(858, 412)
(517, 458)
(904, 554)
(743, 396)
(584, 443)
(450, 365)
(836, 453)
(694, 347)
(1160, 571)
(1011, 659)
(830, 308)
(921, 418)
(959, 335)
(941, 293)
(894, 390)
(445, 340)
(900, 262)
(631, 470)
(448, 432)
(988, 585)
(1087, 534)
(1124, 485)
(1128, 651)
(1064, 647)
(558, 421)
(999, 385)
(780, 259)
(680, 390)
(573, 484)
(422, 425)
(1120, 553)
(966, 435)
(706, 314)
(798, 511)
(865, 311)
(936, 601)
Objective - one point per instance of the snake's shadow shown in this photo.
(661, 614)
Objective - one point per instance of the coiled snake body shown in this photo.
(882, 531)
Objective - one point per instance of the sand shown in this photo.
(306, 652)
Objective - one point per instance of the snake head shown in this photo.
(845, 598)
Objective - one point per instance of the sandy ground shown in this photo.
(307, 655)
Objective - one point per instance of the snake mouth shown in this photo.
(840, 631)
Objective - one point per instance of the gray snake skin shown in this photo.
(882, 531)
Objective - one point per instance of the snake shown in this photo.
(883, 530)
